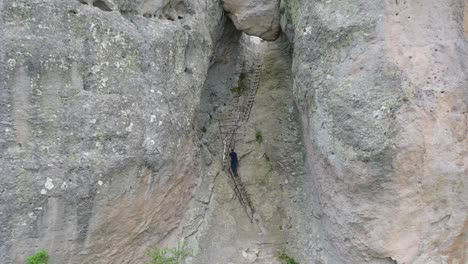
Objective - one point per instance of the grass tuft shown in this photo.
(286, 259)
(168, 255)
(259, 136)
(41, 257)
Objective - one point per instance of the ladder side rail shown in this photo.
(246, 197)
(243, 113)
(238, 194)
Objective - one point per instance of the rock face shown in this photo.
(271, 159)
(355, 150)
(384, 97)
(255, 17)
(96, 109)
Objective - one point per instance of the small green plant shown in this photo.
(168, 255)
(259, 136)
(41, 257)
(286, 259)
(243, 85)
(243, 77)
(237, 91)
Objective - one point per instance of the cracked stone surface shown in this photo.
(96, 124)
(272, 170)
(381, 86)
(110, 144)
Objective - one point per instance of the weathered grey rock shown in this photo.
(382, 88)
(96, 129)
(110, 144)
(255, 17)
(219, 230)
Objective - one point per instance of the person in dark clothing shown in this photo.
(234, 162)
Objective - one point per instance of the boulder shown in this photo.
(255, 17)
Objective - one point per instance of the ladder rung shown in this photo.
(229, 122)
(232, 133)
(225, 131)
(227, 119)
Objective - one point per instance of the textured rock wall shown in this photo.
(272, 169)
(383, 91)
(109, 143)
(465, 15)
(96, 108)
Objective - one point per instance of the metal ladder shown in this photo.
(228, 129)
(254, 83)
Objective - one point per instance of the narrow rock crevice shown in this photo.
(281, 167)
(102, 5)
(349, 119)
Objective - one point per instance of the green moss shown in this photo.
(339, 43)
(294, 8)
(243, 85)
(19, 12)
(285, 259)
(243, 77)
(41, 257)
(237, 91)
(259, 136)
(345, 40)
(78, 26)
(311, 103)
(168, 255)
(134, 60)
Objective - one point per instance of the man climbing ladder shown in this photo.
(228, 127)
(234, 162)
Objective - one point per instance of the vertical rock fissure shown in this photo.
(229, 123)
(101, 5)
(266, 134)
(117, 116)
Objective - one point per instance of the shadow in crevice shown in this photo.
(102, 5)
(97, 3)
